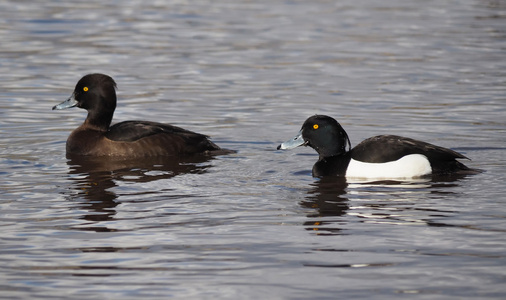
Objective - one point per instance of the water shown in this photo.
(254, 224)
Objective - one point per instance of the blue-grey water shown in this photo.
(255, 224)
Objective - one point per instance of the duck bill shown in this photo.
(70, 102)
(294, 142)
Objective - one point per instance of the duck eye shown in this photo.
(315, 126)
(85, 89)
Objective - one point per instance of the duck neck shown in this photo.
(335, 150)
(332, 165)
(98, 121)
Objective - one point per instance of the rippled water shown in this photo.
(254, 224)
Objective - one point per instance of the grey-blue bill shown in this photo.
(294, 142)
(70, 102)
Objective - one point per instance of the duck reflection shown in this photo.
(401, 202)
(327, 198)
(93, 179)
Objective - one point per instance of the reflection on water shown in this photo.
(387, 201)
(94, 177)
(327, 197)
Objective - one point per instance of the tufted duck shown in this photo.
(130, 139)
(379, 157)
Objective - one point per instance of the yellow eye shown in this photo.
(85, 89)
(315, 126)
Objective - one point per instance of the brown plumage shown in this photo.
(130, 139)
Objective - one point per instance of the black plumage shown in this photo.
(329, 139)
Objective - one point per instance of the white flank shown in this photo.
(409, 166)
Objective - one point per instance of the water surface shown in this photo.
(254, 224)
